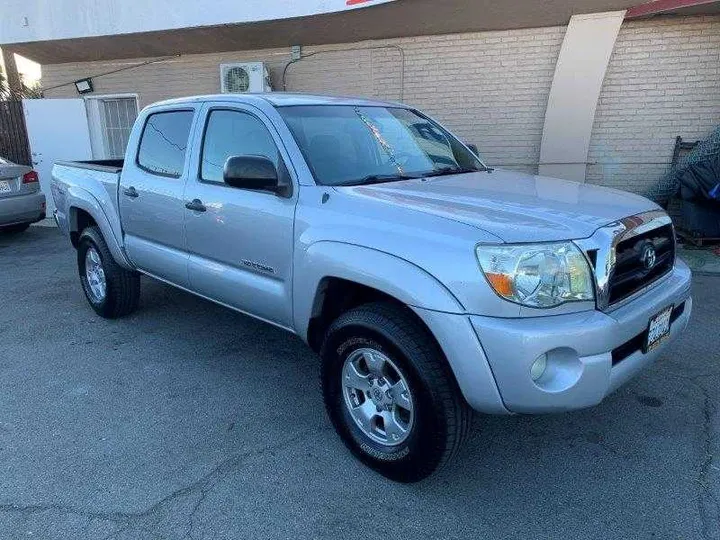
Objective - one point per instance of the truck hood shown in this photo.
(512, 206)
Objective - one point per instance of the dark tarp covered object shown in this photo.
(669, 185)
(700, 181)
(700, 194)
(695, 179)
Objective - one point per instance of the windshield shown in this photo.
(352, 145)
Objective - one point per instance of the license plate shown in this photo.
(658, 329)
(5, 186)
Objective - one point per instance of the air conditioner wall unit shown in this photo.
(244, 77)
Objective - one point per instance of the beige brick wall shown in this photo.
(175, 77)
(663, 81)
(491, 88)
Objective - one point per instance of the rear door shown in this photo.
(152, 186)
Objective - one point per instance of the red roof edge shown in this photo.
(661, 6)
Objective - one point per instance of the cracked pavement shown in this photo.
(187, 420)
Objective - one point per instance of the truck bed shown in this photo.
(104, 165)
(94, 182)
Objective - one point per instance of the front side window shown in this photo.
(350, 145)
(164, 142)
(233, 133)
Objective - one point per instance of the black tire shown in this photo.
(17, 228)
(122, 286)
(442, 418)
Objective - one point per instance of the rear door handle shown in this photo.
(196, 205)
(131, 192)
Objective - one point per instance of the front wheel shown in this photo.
(111, 290)
(390, 393)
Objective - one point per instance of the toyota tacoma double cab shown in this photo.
(430, 284)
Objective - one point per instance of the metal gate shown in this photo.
(13, 135)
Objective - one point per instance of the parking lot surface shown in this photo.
(187, 420)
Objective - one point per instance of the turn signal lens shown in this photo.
(501, 283)
(30, 177)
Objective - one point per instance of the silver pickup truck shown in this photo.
(428, 283)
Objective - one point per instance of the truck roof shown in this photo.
(283, 99)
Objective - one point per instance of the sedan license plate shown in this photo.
(658, 329)
(5, 186)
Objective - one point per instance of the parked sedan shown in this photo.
(21, 201)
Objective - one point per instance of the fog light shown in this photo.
(538, 367)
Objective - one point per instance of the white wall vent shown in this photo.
(244, 77)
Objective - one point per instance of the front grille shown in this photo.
(631, 272)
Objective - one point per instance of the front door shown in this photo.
(58, 131)
(240, 242)
(151, 193)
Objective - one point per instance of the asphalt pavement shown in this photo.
(187, 420)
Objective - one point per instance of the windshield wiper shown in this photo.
(377, 179)
(445, 171)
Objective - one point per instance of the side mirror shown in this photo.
(474, 149)
(251, 172)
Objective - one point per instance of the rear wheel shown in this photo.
(390, 393)
(111, 290)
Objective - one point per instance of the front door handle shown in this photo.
(131, 192)
(196, 205)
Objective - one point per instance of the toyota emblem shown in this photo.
(648, 256)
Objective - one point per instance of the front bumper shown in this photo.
(582, 368)
(22, 209)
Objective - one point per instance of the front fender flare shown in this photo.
(392, 275)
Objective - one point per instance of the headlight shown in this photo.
(538, 275)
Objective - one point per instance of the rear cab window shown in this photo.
(164, 142)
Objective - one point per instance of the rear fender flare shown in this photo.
(78, 199)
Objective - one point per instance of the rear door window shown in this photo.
(164, 143)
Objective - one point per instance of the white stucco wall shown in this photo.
(40, 20)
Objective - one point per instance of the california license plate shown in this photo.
(5, 186)
(658, 329)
